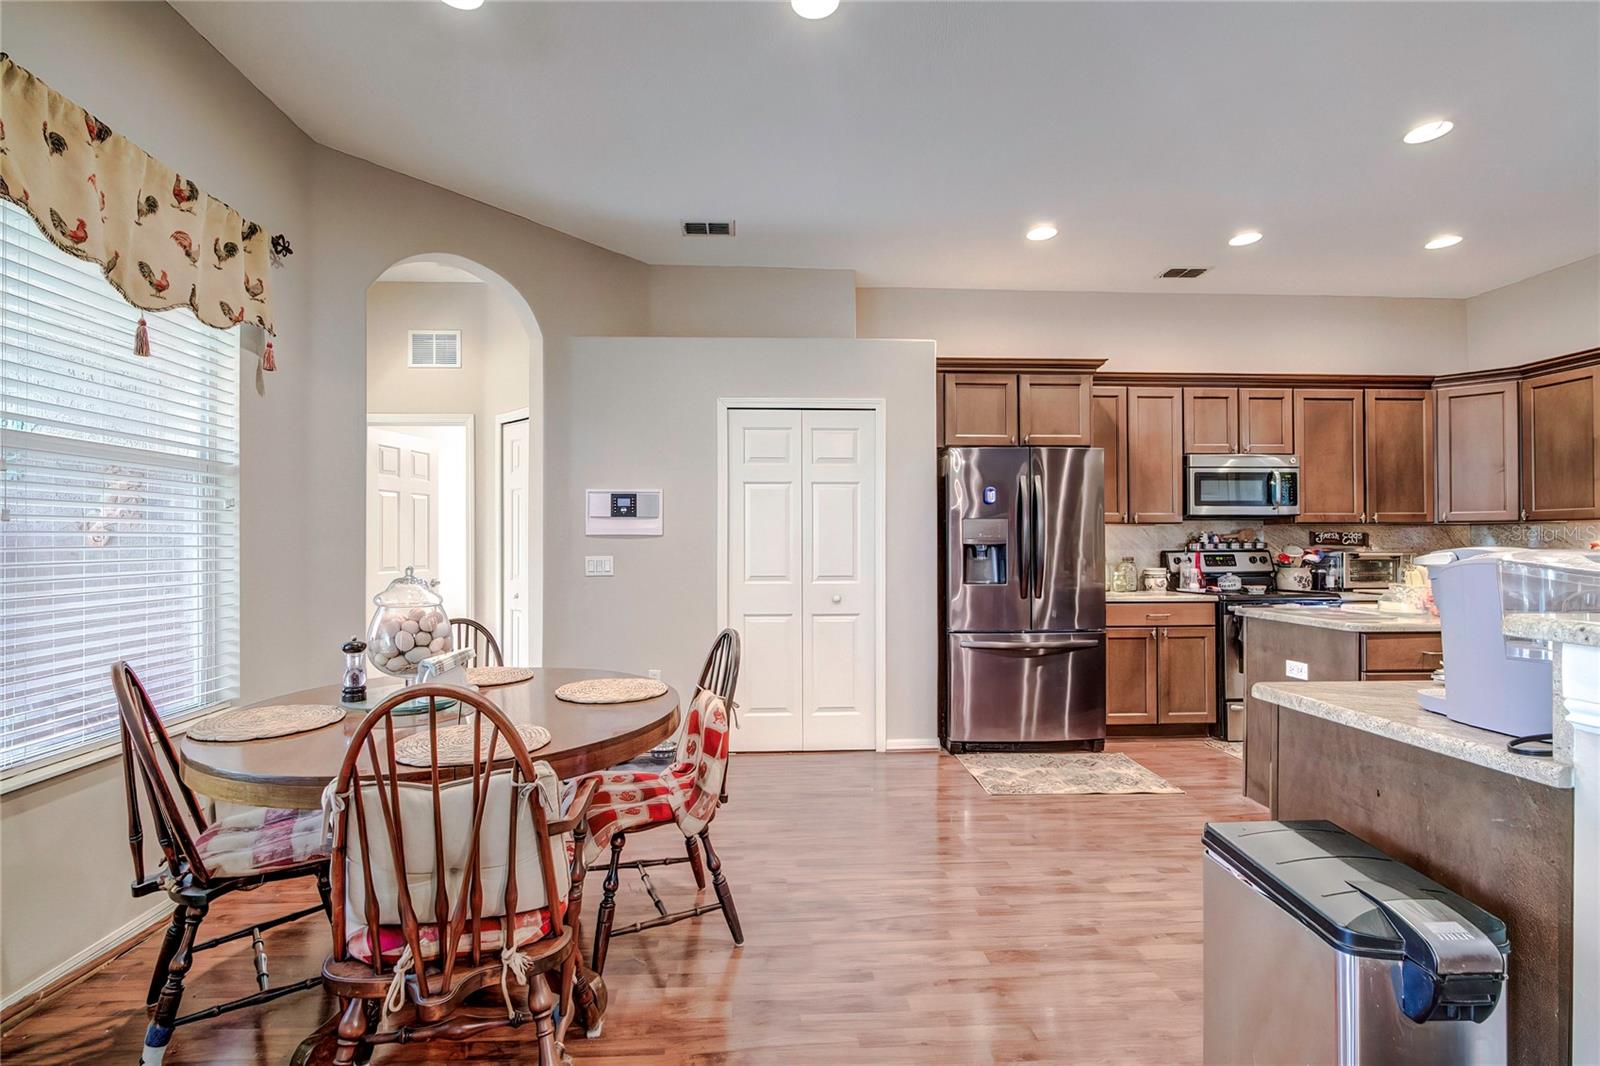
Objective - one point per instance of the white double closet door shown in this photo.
(802, 577)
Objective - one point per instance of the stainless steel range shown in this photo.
(1254, 570)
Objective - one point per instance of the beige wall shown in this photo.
(1548, 314)
(492, 380)
(641, 412)
(1139, 331)
(690, 301)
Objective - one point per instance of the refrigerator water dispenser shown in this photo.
(983, 551)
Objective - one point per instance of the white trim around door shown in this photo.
(879, 407)
(535, 573)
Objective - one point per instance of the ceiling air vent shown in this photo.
(708, 229)
(1184, 272)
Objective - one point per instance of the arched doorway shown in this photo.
(455, 458)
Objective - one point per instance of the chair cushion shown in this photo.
(260, 840)
(633, 800)
(527, 926)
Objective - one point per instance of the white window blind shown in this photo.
(435, 347)
(119, 479)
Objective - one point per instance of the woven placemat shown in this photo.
(259, 723)
(455, 744)
(611, 690)
(489, 676)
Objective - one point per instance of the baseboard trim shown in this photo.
(25, 1000)
(911, 744)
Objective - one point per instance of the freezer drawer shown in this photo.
(1026, 688)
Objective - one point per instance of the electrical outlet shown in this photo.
(597, 566)
(655, 675)
(1296, 669)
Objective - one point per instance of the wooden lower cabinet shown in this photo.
(1186, 668)
(1163, 675)
(1131, 676)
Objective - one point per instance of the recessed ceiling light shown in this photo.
(1429, 131)
(1444, 240)
(1249, 236)
(465, 5)
(1042, 232)
(814, 9)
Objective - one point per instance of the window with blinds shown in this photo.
(435, 347)
(119, 483)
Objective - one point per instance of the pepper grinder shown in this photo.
(355, 671)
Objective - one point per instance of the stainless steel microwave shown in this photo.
(1229, 486)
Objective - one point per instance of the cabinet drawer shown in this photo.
(1161, 614)
(1401, 652)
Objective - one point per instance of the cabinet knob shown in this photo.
(837, 598)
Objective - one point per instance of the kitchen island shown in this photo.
(1451, 801)
(1333, 643)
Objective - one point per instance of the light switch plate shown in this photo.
(1296, 669)
(597, 566)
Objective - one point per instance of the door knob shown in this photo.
(837, 598)
(516, 595)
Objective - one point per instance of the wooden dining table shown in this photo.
(291, 772)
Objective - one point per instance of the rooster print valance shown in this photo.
(162, 241)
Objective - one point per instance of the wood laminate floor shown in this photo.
(893, 913)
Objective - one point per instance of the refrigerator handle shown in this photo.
(1024, 535)
(1037, 549)
(1043, 647)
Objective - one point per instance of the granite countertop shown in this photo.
(1363, 619)
(1390, 709)
(1563, 627)
(1160, 597)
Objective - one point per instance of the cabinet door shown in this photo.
(1155, 454)
(1109, 422)
(1329, 436)
(1055, 409)
(1266, 421)
(1478, 450)
(1210, 421)
(980, 409)
(1399, 447)
(1130, 676)
(1560, 435)
(1186, 669)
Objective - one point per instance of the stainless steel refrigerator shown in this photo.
(1023, 584)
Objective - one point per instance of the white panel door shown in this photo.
(514, 591)
(402, 506)
(838, 542)
(765, 576)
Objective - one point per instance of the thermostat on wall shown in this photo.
(622, 513)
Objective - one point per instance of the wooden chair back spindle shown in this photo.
(371, 769)
(470, 633)
(150, 758)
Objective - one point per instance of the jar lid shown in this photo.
(409, 590)
(354, 646)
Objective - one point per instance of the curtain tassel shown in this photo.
(269, 362)
(141, 339)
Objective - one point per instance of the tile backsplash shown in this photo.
(1145, 543)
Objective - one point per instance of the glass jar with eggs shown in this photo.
(409, 625)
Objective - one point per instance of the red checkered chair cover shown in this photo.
(685, 792)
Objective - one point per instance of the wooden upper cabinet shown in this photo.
(1055, 409)
(1155, 454)
(1477, 452)
(980, 409)
(1329, 437)
(1560, 438)
(1210, 421)
(1131, 697)
(1109, 431)
(1399, 447)
(1266, 421)
(1186, 672)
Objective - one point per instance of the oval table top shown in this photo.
(292, 771)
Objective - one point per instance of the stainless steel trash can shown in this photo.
(1319, 948)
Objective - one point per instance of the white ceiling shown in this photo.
(914, 143)
(426, 270)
